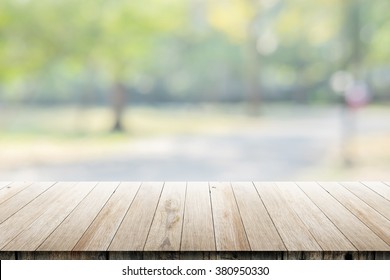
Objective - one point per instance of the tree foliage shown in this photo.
(190, 50)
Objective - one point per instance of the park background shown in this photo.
(194, 90)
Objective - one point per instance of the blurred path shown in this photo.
(278, 150)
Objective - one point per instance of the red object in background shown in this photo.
(357, 96)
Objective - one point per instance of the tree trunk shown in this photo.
(118, 99)
(252, 64)
(353, 62)
(253, 72)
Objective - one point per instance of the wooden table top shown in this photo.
(194, 216)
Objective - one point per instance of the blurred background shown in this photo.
(194, 90)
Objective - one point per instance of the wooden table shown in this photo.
(195, 220)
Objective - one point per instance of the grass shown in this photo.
(46, 135)
(370, 161)
(67, 123)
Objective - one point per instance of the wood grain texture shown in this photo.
(337, 255)
(380, 188)
(198, 228)
(267, 255)
(12, 189)
(198, 255)
(161, 255)
(3, 184)
(357, 232)
(260, 230)
(124, 255)
(382, 255)
(229, 230)
(293, 231)
(33, 235)
(7, 255)
(378, 202)
(340, 255)
(69, 232)
(302, 255)
(166, 228)
(28, 214)
(42, 255)
(322, 229)
(240, 220)
(21, 199)
(133, 232)
(100, 233)
(375, 221)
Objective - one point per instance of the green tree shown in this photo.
(117, 37)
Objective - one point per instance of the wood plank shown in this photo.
(375, 221)
(267, 255)
(229, 230)
(236, 255)
(302, 255)
(101, 232)
(161, 255)
(165, 232)
(382, 255)
(260, 230)
(69, 232)
(164, 219)
(133, 232)
(21, 199)
(12, 189)
(198, 228)
(198, 255)
(356, 231)
(380, 188)
(7, 255)
(47, 256)
(3, 184)
(28, 214)
(32, 236)
(293, 231)
(322, 229)
(112, 255)
(370, 197)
